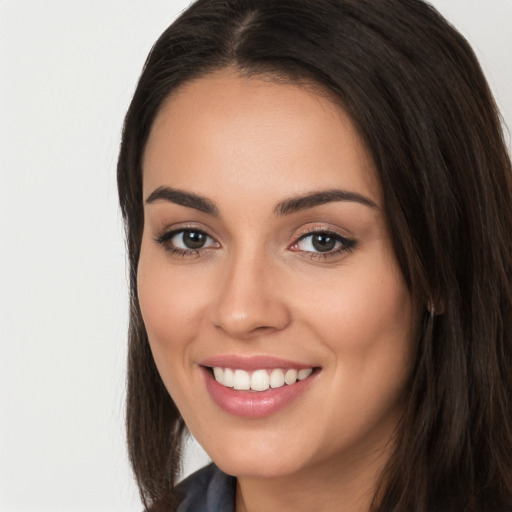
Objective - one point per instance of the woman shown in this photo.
(318, 203)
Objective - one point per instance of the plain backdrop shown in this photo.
(67, 72)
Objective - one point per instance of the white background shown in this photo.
(67, 71)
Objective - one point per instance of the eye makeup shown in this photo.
(186, 242)
(321, 243)
(316, 243)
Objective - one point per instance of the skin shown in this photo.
(257, 288)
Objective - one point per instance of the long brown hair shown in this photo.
(414, 88)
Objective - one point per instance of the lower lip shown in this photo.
(255, 404)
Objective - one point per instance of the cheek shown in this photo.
(359, 308)
(369, 332)
(172, 304)
(366, 322)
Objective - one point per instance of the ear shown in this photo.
(435, 306)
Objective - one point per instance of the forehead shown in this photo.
(247, 131)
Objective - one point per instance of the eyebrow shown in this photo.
(183, 198)
(286, 207)
(296, 204)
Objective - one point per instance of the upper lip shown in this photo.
(252, 363)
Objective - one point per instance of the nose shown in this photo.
(249, 301)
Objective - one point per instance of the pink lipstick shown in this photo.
(257, 386)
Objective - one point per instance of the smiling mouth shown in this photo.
(259, 380)
(256, 387)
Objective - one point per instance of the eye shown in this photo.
(190, 239)
(186, 241)
(318, 242)
(323, 243)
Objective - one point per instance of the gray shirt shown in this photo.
(208, 490)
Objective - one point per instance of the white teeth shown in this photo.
(290, 377)
(304, 373)
(218, 373)
(259, 380)
(276, 378)
(242, 380)
(229, 378)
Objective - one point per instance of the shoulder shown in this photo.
(207, 490)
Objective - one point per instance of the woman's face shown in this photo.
(266, 260)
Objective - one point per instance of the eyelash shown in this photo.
(346, 244)
(165, 240)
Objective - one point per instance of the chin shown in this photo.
(243, 467)
(259, 458)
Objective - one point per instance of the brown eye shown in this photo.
(183, 240)
(320, 242)
(323, 242)
(192, 239)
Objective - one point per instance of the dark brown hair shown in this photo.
(414, 88)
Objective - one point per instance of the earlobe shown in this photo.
(435, 307)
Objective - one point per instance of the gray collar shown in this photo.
(207, 490)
